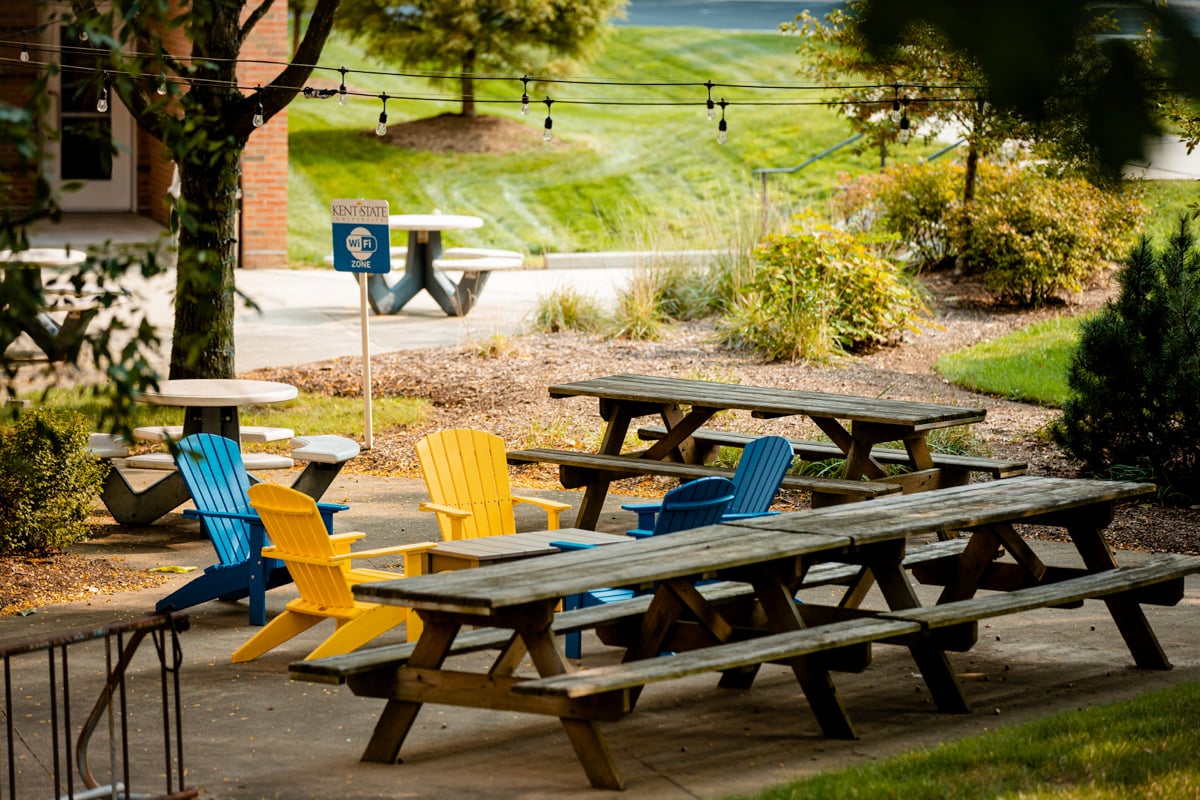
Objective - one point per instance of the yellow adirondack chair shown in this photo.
(466, 474)
(320, 565)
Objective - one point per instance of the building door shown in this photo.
(92, 162)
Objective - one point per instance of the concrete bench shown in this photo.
(166, 462)
(247, 433)
(577, 469)
(108, 445)
(958, 467)
(476, 259)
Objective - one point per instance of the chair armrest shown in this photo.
(450, 511)
(332, 508)
(350, 536)
(420, 547)
(199, 513)
(553, 508)
(572, 545)
(747, 515)
(646, 513)
(640, 533)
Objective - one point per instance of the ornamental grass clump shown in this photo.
(49, 481)
(818, 293)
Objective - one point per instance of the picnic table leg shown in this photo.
(816, 682)
(1131, 621)
(596, 490)
(398, 715)
(590, 747)
(931, 660)
(130, 507)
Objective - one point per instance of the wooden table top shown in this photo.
(637, 561)
(218, 392)
(955, 508)
(762, 401)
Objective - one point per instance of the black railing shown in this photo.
(42, 694)
(765, 172)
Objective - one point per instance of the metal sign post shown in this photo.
(362, 245)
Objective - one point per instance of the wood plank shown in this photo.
(774, 647)
(1161, 569)
(769, 401)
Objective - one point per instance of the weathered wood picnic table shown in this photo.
(685, 405)
(690, 625)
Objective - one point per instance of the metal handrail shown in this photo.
(763, 172)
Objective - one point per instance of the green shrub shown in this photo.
(911, 201)
(1033, 237)
(566, 309)
(639, 315)
(49, 481)
(1135, 376)
(819, 292)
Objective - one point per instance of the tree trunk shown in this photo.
(202, 344)
(468, 84)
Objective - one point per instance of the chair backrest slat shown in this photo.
(211, 467)
(760, 471)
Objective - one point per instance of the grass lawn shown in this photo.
(1144, 748)
(1029, 365)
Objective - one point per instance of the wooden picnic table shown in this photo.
(685, 405)
(768, 559)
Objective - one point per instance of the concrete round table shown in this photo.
(211, 404)
(424, 246)
(23, 278)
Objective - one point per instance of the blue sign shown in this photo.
(361, 237)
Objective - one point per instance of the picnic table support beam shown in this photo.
(1131, 621)
(399, 715)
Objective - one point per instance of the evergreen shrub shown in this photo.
(49, 481)
(1135, 376)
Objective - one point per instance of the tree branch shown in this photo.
(254, 17)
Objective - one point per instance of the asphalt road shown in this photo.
(756, 15)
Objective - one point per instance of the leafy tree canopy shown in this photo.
(537, 37)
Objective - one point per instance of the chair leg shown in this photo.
(278, 631)
(353, 634)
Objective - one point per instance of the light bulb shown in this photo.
(711, 114)
(102, 103)
(162, 85)
(24, 53)
(342, 97)
(722, 132)
(524, 105)
(258, 120)
(905, 131)
(381, 128)
(83, 36)
(547, 133)
(896, 113)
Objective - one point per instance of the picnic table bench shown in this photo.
(954, 469)
(760, 564)
(577, 469)
(684, 406)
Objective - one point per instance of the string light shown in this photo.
(24, 52)
(905, 130)
(525, 96)
(381, 128)
(102, 103)
(342, 97)
(722, 127)
(547, 131)
(161, 89)
(711, 113)
(258, 120)
(896, 112)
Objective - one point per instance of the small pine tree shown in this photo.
(1135, 376)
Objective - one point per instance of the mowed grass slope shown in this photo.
(617, 176)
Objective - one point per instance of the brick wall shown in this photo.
(264, 162)
(16, 189)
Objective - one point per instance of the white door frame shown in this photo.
(101, 187)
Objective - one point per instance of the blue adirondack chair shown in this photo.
(761, 469)
(693, 505)
(211, 467)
